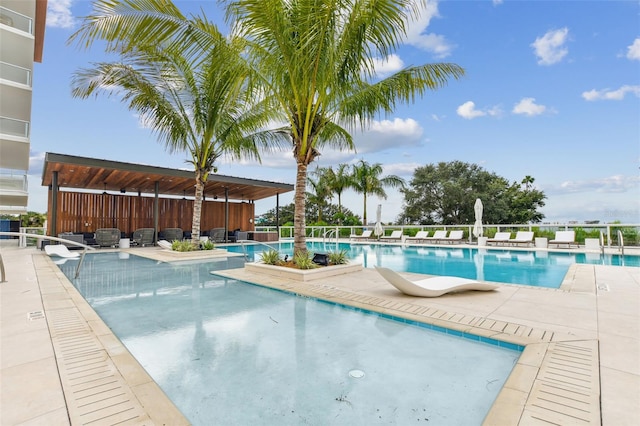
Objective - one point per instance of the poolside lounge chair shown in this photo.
(564, 238)
(172, 234)
(432, 287)
(453, 237)
(418, 238)
(437, 236)
(395, 236)
(60, 251)
(522, 237)
(144, 236)
(107, 237)
(500, 238)
(366, 234)
(165, 244)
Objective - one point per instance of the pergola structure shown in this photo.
(100, 191)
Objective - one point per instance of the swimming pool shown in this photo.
(534, 268)
(233, 353)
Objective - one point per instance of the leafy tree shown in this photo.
(321, 195)
(183, 76)
(445, 194)
(317, 61)
(366, 180)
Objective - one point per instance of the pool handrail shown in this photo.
(44, 237)
(244, 250)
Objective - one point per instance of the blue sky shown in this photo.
(552, 90)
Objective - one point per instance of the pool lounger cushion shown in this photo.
(432, 287)
(60, 250)
(165, 244)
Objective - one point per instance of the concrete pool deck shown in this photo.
(60, 364)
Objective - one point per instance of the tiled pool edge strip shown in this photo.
(533, 394)
(555, 381)
(101, 381)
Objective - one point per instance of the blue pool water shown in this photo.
(534, 268)
(232, 353)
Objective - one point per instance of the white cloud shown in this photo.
(497, 2)
(36, 162)
(416, 36)
(389, 65)
(633, 51)
(550, 48)
(527, 106)
(468, 110)
(611, 95)
(59, 14)
(609, 184)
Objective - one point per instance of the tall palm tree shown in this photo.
(321, 195)
(367, 181)
(317, 61)
(196, 100)
(338, 181)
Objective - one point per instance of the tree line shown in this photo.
(438, 194)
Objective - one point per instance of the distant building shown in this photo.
(22, 25)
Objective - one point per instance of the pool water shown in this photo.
(534, 268)
(232, 353)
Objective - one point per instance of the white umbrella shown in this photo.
(477, 226)
(378, 228)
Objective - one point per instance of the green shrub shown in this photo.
(303, 260)
(271, 257)
(338, 257)
(207, 245)
(185, 245)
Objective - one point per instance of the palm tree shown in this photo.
(321, 195)
(338, 181)
(317, 61)
(367, 180)
(196, 100)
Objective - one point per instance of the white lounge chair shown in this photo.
(522, 237)
(564, 238)
(418, 238)
(395, 236)
(366, 234)
(500, 238)
(454, 237)
(60, 251)
(432, 287)
(437, 236)
(165, 244)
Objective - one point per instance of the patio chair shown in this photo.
(500, 238)
(144, 236)
(420, 236)
(522, 237)
(567, 238)
(437, 236)
(60, 250)
(395, 236)
(217, 235)
(453, 237)
(432, 287)
(366, 234)
(172, 234)
(107, 237)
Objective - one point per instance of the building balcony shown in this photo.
(14, 191)
(11, 74)
(14, 144)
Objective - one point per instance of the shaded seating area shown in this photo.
(171, 234)
(107, 237)
(567, 238)
(143, 236)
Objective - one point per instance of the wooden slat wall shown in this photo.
(86, 212)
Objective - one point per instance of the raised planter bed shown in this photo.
(302, 274)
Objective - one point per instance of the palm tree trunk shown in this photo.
(299, 224)
(364, 216)
(197, 208)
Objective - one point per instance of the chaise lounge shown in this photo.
(456, 236)
(420, 236)
(432, 287)
(395, 236)
(437, 236)
(522, 237)
(500, 238)
(366, 234)
(567, 238)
